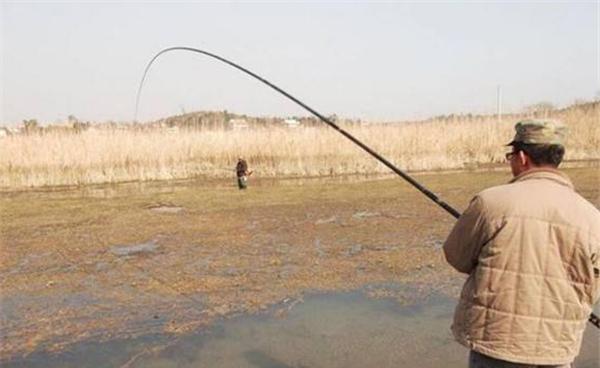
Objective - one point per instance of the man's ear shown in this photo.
(523, 159)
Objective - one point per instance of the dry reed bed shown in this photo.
(109, 156)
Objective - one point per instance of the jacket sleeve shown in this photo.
(596, 276)
(463, 245)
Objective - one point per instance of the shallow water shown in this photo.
(127, 250)
(327, 330)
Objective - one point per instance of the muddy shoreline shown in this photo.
(124, 261)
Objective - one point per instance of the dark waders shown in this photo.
(242, 182)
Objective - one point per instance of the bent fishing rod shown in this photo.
(593, 318)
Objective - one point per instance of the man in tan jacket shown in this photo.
(531, 249)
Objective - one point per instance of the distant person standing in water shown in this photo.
(242, 173)
(531, 249)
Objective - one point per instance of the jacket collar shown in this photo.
(545, 173)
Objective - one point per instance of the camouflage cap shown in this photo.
(539, 132)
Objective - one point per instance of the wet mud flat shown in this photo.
(347, 329)
(145, 262)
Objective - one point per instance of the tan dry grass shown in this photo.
(109, 156)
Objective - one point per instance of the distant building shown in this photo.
(238, 124)
(291, 123)
(6, 131)
(62, 124)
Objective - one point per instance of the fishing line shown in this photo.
(593, 318)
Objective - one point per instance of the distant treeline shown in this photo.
(200, 120)
(225, 120)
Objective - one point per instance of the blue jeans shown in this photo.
(477, 360)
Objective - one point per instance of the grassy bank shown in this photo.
(117, 155)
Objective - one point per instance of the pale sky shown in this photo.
(375, 61)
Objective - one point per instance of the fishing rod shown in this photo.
(593, 318)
